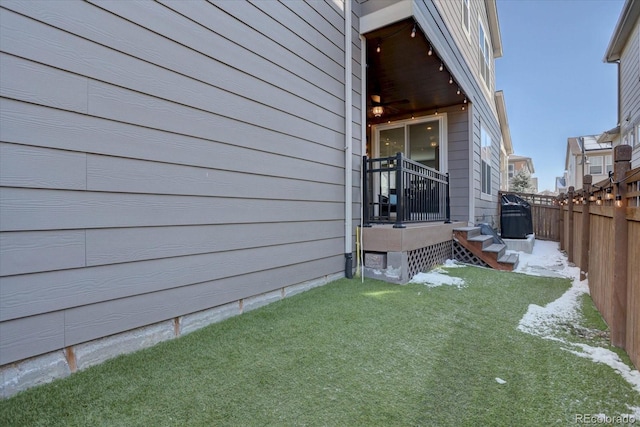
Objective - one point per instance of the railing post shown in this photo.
(571, 195)
(448, 221)
(365, 192)
(621, 165)
(400, 205)
(586, 224)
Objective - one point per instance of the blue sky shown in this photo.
(555, 82)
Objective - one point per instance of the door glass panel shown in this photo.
(424, 144)
(391, 142)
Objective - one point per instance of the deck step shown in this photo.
(483, 247)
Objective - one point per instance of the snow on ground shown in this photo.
(545, 322)
(439, 277)
(547, 260)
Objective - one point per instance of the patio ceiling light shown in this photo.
(377, 110)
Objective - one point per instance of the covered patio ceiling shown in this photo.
(402, 77)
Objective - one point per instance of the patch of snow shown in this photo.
(437, 277)
(452, 263)
(547, 260)
(500, 381)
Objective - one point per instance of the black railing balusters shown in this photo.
(399, 190)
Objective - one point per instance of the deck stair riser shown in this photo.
(483, 247)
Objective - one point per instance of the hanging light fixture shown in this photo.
(618, 202)
(609, 193)
(377, 110)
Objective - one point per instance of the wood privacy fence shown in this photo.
(599, 228)
(600, 231)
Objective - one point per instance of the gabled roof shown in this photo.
(627, 21)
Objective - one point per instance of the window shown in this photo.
(595, 165)
(485, 154)
(511, 171)
(608, 164)
(466, 16)
(485, 55)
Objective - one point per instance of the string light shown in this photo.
(450, 80)
(430, 51)
(609, 194)
(458, 91)
(599, 201)
(378, 49)
(465, 100)
(618, 201)
(441, 66)
(413, 32)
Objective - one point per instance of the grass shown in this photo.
(349, 354)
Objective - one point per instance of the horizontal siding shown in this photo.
(162, 158)
(35, 209)
(231, 150)
(35, 251)
(34, 167)
(458, 158)
(89, 322)
(28, 295)
(630, 85)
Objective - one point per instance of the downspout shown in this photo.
(348, 149)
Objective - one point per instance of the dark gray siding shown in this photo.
(458, 140)
(158, 159)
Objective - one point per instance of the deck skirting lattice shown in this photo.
(423, 259)
(462, 254)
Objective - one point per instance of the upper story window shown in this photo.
(485, 155)
(595, 165)
(511, 171)
(466, 16)
(608, 164)
(485, 55)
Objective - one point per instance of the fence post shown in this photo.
(571, 194)
(621, 165)
(586, 227)
(561, 222)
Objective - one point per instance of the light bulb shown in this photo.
(599, 201)
(413, 32)
(464, 108)
(618, 201)
(430, 51)
(450, 80)
(609, 194)
(465, 100)
(458, 91)
(378, 49)
(441, 66)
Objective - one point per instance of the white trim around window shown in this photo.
(466, 18)
(484, 55)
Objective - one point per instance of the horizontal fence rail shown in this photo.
(399, 190)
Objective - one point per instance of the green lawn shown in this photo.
(349, 354)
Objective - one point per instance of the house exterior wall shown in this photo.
(163, 159)
(629, 94)
(482, 95)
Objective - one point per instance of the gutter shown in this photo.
(348, 149)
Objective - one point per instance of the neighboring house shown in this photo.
(587, 156)
(624, 50)
(521, 163)
(164, 166)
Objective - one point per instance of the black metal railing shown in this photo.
(399, 190)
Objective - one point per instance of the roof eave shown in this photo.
(504, 122)
(494, 28)
(624, 28)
